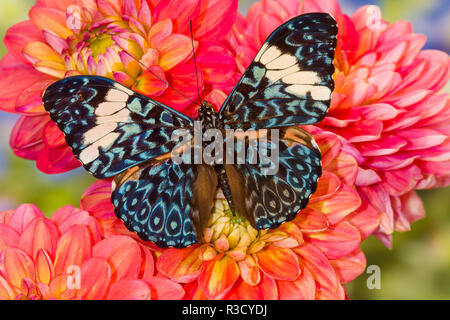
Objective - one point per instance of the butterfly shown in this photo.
(118, 133)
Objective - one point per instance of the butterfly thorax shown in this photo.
(208, 116)
(210, 120)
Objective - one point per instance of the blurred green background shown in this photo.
(418, 267)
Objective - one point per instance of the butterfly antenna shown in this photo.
(159, 78)
(195, 62)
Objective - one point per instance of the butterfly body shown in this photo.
(118, 133)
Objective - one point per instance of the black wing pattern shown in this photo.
(290, 80)
(267, 200)
(117, 132)
(109, 127)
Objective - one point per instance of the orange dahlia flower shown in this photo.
(65, 257)
(308, 258)
(97, 37)
(387, 103)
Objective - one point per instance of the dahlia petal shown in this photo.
(329, 145)
(30, 101)
(400, 181)
(26, 136)
(380, 200)
(265, 290)
(294, 236)
(378, 111)
(107, 8)
(95, 278)
(365, 218)
(332, 294)
(58, 4)
(180, 13)
(18, 266)
(218, 276)
(328, 184)
(149, 84)
(99, 190)
(175, 49)
(238, 253)
(130, 8)
(122, 253)
(184, 79)
(147, 265)
(367, 177)
(193, 292)
(7, 292)
(249, 271)
(11, 70)
(206, 253)
(216, 98)
(392, 162)
(23, 216)
(386, 144)
(51, 68)
(39, 51)
(181, 265)
(264, 25)
(40, 234)
(59, 288)
(336, 208)
(365, 130)
(74, 247)
(436, 71)
(217, 62)
(164, 289)
(408, 99)
(319, 266)
(53, 136)
(8, 237)
(145, 15)
(159, 33)
(215, 19)
(330, 6)
(337, 241)
(311, 221)
(303, 288)
(421, 138)
(412, 209)
(57, 160)
(44, 267)
(50, 19)
(278, 263)
(19, 35)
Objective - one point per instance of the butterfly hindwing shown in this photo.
(109, 127)
(290, 80)
(267, 200)
(154, 201)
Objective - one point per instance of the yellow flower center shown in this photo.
(100, 43)
(227, 231)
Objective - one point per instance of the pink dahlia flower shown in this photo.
(66, 257)
(65, 38)
(310, 257)
(387, 103)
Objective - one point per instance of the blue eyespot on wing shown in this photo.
(154, 201)
(109, 127)
(290, 80)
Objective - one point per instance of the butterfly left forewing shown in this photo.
(109, 127)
